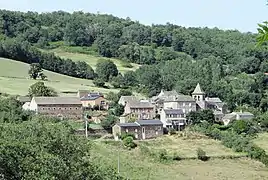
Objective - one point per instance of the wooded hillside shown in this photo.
(226, 63)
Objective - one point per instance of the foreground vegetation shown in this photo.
(35, 147)
(137, 164)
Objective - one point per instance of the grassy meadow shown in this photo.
(262, 140)
(92, 60)
(14, 79)
(134, 164)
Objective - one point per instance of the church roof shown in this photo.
(198, 90)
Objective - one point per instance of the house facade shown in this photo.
(91, 99)
(137, 109)
(185, 103)
(142, 129)
(61, 107)
(173, 118)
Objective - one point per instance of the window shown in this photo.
(136, 130)
(48, 108)
(54, 108)
(76, 108)
(183, 110)
(43, 108)
(126, 130)
(59, 108)
(70, 108)
(183, 104)
(190, 104)
(143, 130)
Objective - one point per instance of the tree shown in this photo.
(39, 89)
(119, 110)
(108, 122)
(35, 71)
(98, 82)
(84, 70)
(124, 92)
(106, 69)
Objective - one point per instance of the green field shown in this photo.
(262, 141)
(92, 60)
(136, 165)
(14, 79)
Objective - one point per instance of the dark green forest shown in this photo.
(227, 64)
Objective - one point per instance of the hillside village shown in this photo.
(145, 118)
(99, 97)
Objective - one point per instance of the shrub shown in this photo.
(176, 157)
(98, 82)
(125, 135)
(129, 143)
(163, 155)
(201, 154)
(172, 131)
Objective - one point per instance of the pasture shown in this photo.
(134, 164)
(262, 140)
(14, 79)
(92, 60)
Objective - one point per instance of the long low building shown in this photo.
(61, 107)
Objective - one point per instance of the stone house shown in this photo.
(91, 99)
(228, 118)
(183, 102)
(158, 100)
(140, 110)
(141, 129)
(61, 107)
(173, 118)
(137, 109)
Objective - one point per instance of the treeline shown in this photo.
(22, 51)
(226, 63)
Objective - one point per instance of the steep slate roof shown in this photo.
(57, 100)
(198, 90)
(149, 122)
(173, 111)
(179, 98)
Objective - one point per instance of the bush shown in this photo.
(125, 135)
(176, 157)
(129, 143)
(201, 154)
(98, 82)
(171, 131)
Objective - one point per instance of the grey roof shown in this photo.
(139, 104)
(168, 93)
(229, 116)
(128, 124)
(179, 98)
(24, 99)
(149, 122)
(244, 113)
(57, 100)
(214, 99)
(198, 90)
(128, 98)
(173, 111)
(91, 96)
